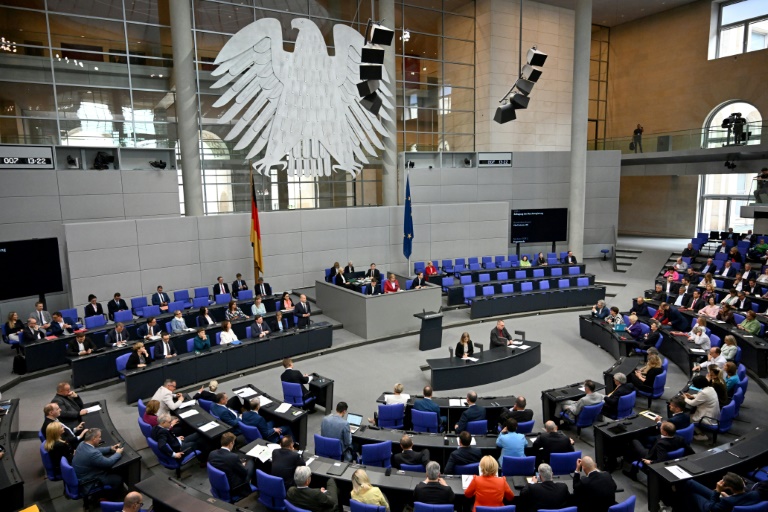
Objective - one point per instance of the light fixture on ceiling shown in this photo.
(406, 35)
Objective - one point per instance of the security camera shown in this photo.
(468, 162)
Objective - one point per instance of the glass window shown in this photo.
(459, 51)
(758, 36)
(459, 26)
(78, 34)
(732, 41)
(22, 67)
(422, 20)
(148, 11)
(27, 100)
(149, 40)
(724, 126)
(221, 17)
(743, 27)
(743, 10)
(18, 26)
(87, 72)
(112, 10)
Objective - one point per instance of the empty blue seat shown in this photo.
(474, 266)
(123, 316)
(543, 285)
(138, 304)
(175, 306)
(461, 261)
(488, 262)
(94, 322)
(573, 271)
(470, 292)
(526, 286)
(552, 261)
(182, 296)
(518, 466)
(245, 295)
(472, 260)
(502, 276)
(419, 266)
(377, 454)
(328, 447)
(424, 421)
(499, 260)
(465, 279)
(488, 291)
(538, 272)
(484, 278)
(582, 281)
(223, 298)
(150, 311)
(477, 428)
(447, 265)
(507, 288)
(505, 264)
(563, 283)
(564, 463)
(447, 281)
(202, 292)
(200, 302)
(558, 271)
(519, 274)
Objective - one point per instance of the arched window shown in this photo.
(716, 136)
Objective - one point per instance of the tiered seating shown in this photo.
(487, 262)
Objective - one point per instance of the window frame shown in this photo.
(743, 23)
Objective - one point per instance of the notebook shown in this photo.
(620, 327)
(354, 422)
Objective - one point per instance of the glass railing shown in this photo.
(758, 191)
(701, 138)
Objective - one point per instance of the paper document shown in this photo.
(93, 408)
(246, 392)
(747, 336)
(187, 414)
(189, 329)
(309, 378)
(473, 443)
(581, 388)
(456, 402)
(263, 453)
(310, 461)
(649, 414)
(283, 407)
(473, 359)
(698, 350)
(466, 480)
(208, 426)
(155, 338)
(188, 403)
(678, 472)
(264, 401)
(523, 347)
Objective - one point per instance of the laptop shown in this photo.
(355, 420)
(620, 327)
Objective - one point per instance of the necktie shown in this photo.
(40, 314)
(119, 337)
(262, 290)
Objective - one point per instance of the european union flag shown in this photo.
(407, 221)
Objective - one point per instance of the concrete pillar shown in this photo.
(389, 157)
(186, 105)
(579, 115)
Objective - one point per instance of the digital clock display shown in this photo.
(13, 160)
(18, 156)
(496, 162)
(494, 159)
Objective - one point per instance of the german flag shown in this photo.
(255, 229)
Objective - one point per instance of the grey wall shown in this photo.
(37, 204)
(135, 256)
(535, 180)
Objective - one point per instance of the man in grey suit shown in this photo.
(573, 409)
(43, 317)
(92, 463)
(314, 500)
(336, 426)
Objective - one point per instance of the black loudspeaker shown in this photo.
(536, 58)
(505, 113)
(382, 35)
(530, 73)
(518, 101)
(372, 54)
(370, 71)
(524, 86)
(367, 88)
(371, 103)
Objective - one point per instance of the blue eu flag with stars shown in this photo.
(407, 221)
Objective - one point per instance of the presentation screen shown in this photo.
(540, 225)
(30, 267)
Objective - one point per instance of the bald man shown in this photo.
(596, 492)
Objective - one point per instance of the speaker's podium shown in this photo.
(431, 333)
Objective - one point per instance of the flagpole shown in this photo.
(407, 178)
(256, 269)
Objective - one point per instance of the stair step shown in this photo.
(627, 257)
(607, 283)
(636, 251)
(624, 263)
(610, 294)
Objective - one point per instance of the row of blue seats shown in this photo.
(478, 263)
(501, 276)
(470, 291)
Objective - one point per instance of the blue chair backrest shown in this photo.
(271, 490)
(391, 416)
(356, 506)
(245, 295)
(626, 404)
(556, 272)
(424, 421)
(467, 469)
(446, 264)
(574, 271)
(223, 298)
(741, 371)
(419, 266)
(727, 414)
(428, 507)
(465, 279)
(564, 463)
(518, 466)
(447, 281)
(141, 407)
(502, 276)
(659, 383)
(499, 259)
(687, 433)
(218, 338)
(461, 261)
(652, 311)
(588, 415)
(714, 340)
(50, 474)
(205, 404)
(507, 288)
(199, 302)
(675, 454)
(69, 313)
(505, 508)
(519, 274)
(474, 266)
(737, 357)
(219, 483)
(181, 296)
(487, 259)
(472, 260)
(146, 428)
(377, 454)
(513, 257)
(552, 261)
(191, 345)
(477, 428)
(582, 281)
(758, 507)
(293, 393)
(148, 311)
(525, 427)
(543, 285)
(71, 483)
(627, 505)
(527, 286)
(738, 318)
(248, 331)
(408, 283)
(93, 322)
(538, 272)
(202, 292)
(328, 447)
(488, 291)
(120, 362)
(250, 433)
(124, 316)
(168, 327)
(484, 278)
(563, 283)
(176, 306)
(137, 304)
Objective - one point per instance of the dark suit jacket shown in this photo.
(460, 349)
(113, 307)
(225, 415)
(143, 330)
(30, 335)
(678, 321)
(219, 289)
(611, 403)
(315, 500)
(284, 463)
(595, 492)
(267, 289)
(291, 375)
(544, 495)
(340, 280)
(730, 273)
(124, 336)
(228, 462)
(426, 405)
(461, 457)
(410, 457)
(571, 259)
(373, 291)
(166, 441)
(746, 276)
(160, 349)
(242, 284)
(640, 309)
(474, 413)
(709, 269)
(68, 436)
(417, 282)
(376, 274)
(744, 305)
(57, 330)
(757, 290)
(686, 300)
(257, 329)
(301, 309)
(72, 348)
(348, 269)
(70, 409)
(519, 416)
(91, 310)
(664, 445)
(134, 361)
(550, 442)
(273, 324)
(433, 493)
(254, 419)
(696, 305)
(680, 421)
(495, 341)
(159, 298)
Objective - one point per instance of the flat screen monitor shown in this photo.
(30, 267)
(539, 225)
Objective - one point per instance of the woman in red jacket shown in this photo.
(391, 284)
(430, 269)
(488, 489)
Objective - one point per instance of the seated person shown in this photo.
(729, 492)
(658, 293)
(543, 493)
(234, 312)
(611, 400)
(434, 490)
(473, 412)
(711, 309)
(511, 443)
(430, 269)
(714, 357)
(93, 308)
(518, 411)
(700, 338)
(690, 252)
(373, 272)
(227, 335)
(419, 282)
(119, 336)
(426, 404)
(464, 348)
(500, 336)
(139, 357)
(397, 397)
(313, 500)
(349, 268)
(258, 307)
(541, 260)
(571, 409)
(170, 444)
(13, 327)
(408, 454)
(391, 285)
(729, 348)
(286, 304)
(56, 446)
(203, 318)
(667, 442)
(201, 342)
(115, 305)
(651, 338)
(263, 288)
(80, 346)
(238, 473)
(238, 284)
(165, 348)
(340, 280)
(209, 394)
(600, 310)
(643, 378)
(364, 492)
(336, 426)
(488, 489)
(178, 324)
(465, 454)
(150, 414)
(551, 441)
(614, 318)
(61, 326)
(259, 329)
(640, 308)
(149, 330)
(750, 324)
(671, 272)
(732, 378)
(92, 462)
(373, 288)
(278, 324)
(524, 262)
(161, 299)
(634, 328)
(680, 265)
(285, 460)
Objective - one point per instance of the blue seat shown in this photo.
(150, 311)
(741, 371)
(328, 447)
(625, 407)
(484, 278)
(465, 279)
(659, 383)
(505, 508)
(538, 272)
(191, 343)
(182, 296)
(170, 462)
(271, 490)
(526, 286)
(50, 473)
(507, 288)
(120, 363)
(460, 261)
(488, 291)
(146, 428)
(123, 316)
(413, 467)
(518, 466)
(202, 292)
(200, 302)
(223, 298)
(175, 306)
(738, 397)
(574, 271)
(205, 404)
(168, 327)
(94, 322)
(474, 266)
(250, 433)
(478, 428)
(757, 507)
(563, 283)
(738, 318)
(408, 283)
(472, 260)
(467, 469)
(520, 274)
(564, 463)
(72, 489)
(487, 262)
(498, 260)
(218, 338)
(582, 282)
(424, 421)
(245, 295)
(525, 427)
(651, 311)
(447, 282)
(627, 505)
(293, 394)
(687, 433)
(391, 416)
(137, 305)
(552, 261)
(142, 407)
(356, 506)
(419, 266)
(502, 276)
(566, 509)
(505, 264)
(220, 485)
(586, 417)
(724, 424)
(447, 265)
(737, 357)
(428, 507)
(377, 454)
(543, 285)
(556, 272)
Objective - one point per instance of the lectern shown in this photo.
(431, 333)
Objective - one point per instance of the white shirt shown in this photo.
(706, 404)
(402, 398)
(719, 361)
(227, 337)
(702, 341)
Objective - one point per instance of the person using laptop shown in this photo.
(335, 426)
(500, 335)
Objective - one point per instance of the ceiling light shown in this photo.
(406, 35)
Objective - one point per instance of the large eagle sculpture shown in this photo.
(302, 105)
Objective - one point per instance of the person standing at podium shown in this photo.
(465, 348)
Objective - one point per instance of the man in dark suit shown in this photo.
(466, 454)
(543, 493)
(678, 321)
(295, 376)
(709, 267)
(239, 474)
(753, 288)
(71, 405)
(237, 285)
(696, 302)
(551, 441)
(727, 494)
(263, 288)
(80, 346)
(259, 329)
(115, 305)
(500, 336)
(570, 259)
(93, 308)
(748, 274)
(667, 442)
(220, 287)
(596, 492)
(169, 444)
(373, 288)
(743, 304)
(611, 401)
(419, 282)
(350, 268)
(683, 299)
(267, 429)
(164, 347)
(314, 500)
(518, 412)
(71, 436)
(303, 311)
(600, 310)
(409, 455)
(224, 413)
(426, 404)
(149, 329)
(61, 326)
(690, 252)
(473, 413)
(640, 308)
(373, 272)
(285, 460)
(161, 299)
(434, 490)
(32, 332)
(119, 336)
(728, 270)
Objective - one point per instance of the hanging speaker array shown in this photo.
(518, 96)
(377, 38)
